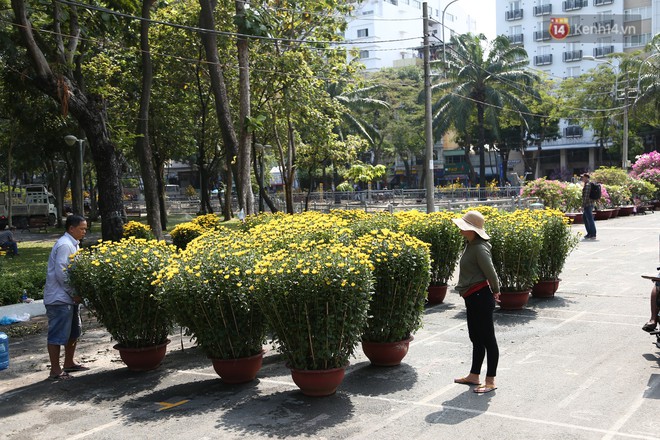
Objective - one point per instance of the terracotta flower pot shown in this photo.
(514, 300)
(318, 383)
(239, 370)
(603, 214)
(142, 359)
(386, 354)
(575, 216)
(625, 211)
(437, 293)
(545, 288)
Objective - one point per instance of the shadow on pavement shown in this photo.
(368, 380)
(465, 406)
(287, 414)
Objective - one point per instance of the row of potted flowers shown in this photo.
(320, 284)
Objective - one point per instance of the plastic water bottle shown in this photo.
(24, 298)
(4, 351)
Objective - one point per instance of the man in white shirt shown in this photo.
(62, 303)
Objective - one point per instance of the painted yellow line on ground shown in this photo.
(167, 405)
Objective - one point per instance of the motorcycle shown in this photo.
(656, 280)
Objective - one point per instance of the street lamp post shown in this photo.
(624, 138)
(71, 140)
(442, 24)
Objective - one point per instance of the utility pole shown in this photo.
(428, 117)
(624, 146)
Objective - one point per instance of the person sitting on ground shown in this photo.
(8, 243)
(653, 323)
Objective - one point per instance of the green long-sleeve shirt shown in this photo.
(476, 266)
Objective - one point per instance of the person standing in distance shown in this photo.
(62, 303)
(588, 208)
(480, 288)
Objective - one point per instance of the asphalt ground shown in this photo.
(577, 366)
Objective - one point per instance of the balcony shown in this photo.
(573, 5)
(603, 2)
(600, 52)
(573, 55)
(541, 35)
(542, 60)
(542, 10)
(603, 26)
(574, 29)
(573, 131)
(515, 38)
(516, 14)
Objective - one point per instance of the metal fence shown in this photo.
(507, 198)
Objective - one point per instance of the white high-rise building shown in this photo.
(388, 33)
(566, 38)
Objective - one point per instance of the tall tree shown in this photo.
(57, 71)
(481, 78)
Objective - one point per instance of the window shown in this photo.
(362, 33)
(364, 54)
(641, 13)
(573, 72)
(636, 40)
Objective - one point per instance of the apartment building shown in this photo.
(388, 33)
(565, 38)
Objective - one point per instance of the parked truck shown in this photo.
(34, 202)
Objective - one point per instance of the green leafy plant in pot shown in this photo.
(116, 281)
(315, 297)
(401, 273)
(516, 240)
(558, 241)
(446, 243)
(207, 289)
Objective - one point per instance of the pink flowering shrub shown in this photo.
(555, 194)
(647, 167)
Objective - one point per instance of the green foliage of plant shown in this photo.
(611, 176)
(619, 195)
(259, 219)
(184, 233)
(209, 290)
(26, 272)
(374, 222)
(551, 192)
(137, 230)
(116, 281)
(558, 242)
(439, 231)
(641, 189)
(315, 296)
(516, 240)
(208, 222)
(191, 191)
(402, 269)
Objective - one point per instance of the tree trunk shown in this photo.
(90, 112)
(244, 136)
(142, 144)
(481, 146)
(223, 109)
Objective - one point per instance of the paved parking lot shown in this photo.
(574, 367)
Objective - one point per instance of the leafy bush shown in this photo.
(438, 230)
(552, 192)
(184, 233)
(116, 281)
(208, 290)
(138, 230)
(315, 296)
(402, 274)
(558, 242)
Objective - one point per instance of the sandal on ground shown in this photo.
(74, 368)
(482, 389)
(62, 376)
(649, 326)
(465, 381)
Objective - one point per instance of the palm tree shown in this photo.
(484, 78)
(649, 81)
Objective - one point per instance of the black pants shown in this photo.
(480, 306)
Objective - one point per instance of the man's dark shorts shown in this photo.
(63, 323)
